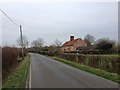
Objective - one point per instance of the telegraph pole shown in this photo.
(21, 42)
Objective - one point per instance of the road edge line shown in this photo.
(30, 76)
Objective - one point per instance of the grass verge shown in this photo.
(111, 76)
(18, 77)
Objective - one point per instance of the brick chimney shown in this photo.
(71, 38)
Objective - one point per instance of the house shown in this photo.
(73, 44)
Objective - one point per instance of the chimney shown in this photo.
(71, 38)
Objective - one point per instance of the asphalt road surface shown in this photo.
(48, 73)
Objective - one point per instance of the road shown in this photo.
(48, 73)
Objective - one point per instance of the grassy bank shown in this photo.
(111, 76)
(18, 77)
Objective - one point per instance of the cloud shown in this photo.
(60, 20)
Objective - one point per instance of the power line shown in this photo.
(8, 17)
(20, 31)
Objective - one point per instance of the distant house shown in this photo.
(73, 44)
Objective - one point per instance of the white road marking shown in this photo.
(30, 77)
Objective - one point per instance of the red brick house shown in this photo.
(73, 44)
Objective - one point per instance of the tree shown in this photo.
(39, 43)
(25, 42)
(57, 43)
(89, 39)
(55, 46)
(104, 44)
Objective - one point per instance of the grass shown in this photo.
(18, 77)
(111, 76)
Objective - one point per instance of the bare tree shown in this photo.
(25, 41)
(38, 43)
(57, 43)
(89, 39)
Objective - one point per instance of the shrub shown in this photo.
(109, 63)
(9, 58)
(104, 44)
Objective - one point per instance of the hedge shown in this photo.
(110, 63)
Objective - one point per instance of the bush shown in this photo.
(48, 53)
(104, 62)
(104, 44)
(9, 58)
(24, 53)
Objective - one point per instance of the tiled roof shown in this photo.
(71, 43)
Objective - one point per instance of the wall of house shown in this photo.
(72, 48)
(68, 48)
(64, 49)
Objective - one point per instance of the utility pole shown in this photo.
(21, 42)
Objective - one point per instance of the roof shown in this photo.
(71, 43)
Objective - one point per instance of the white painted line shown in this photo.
(30, 77)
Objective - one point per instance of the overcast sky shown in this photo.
(59, 20)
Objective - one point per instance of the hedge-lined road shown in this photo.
(48, 73)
